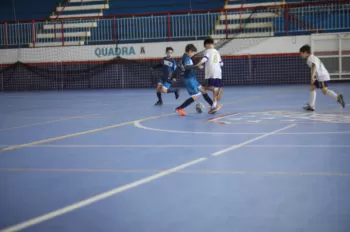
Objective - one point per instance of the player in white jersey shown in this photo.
(213, 72)
(319, 78)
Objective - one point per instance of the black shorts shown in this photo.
(213, 82)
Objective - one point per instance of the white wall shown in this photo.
(274, 45)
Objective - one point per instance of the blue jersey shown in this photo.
(169, 66)
(189, 73)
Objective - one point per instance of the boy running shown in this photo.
(213, 72)
(319, 78)
(193, 87)
(164, 84)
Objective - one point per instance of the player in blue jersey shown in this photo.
(164, 84)
(190, 80)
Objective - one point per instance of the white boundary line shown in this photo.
(117, 190)
(251, 140)
(175, 146)
(69, 208)
(139, 125)
(120, 145)
(296, 146)
(75, 206)
(78, 133)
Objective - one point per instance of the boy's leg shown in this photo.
(168, 89)
(215, 85)
(192, 87)
(338, 97)
(181, 109)
(220, 93)
(203, 90)
(311, 105)
(159, 94)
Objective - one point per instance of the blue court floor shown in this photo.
(109, 160)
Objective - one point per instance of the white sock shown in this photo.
(214, 104)
(332, 94)
(312, 98)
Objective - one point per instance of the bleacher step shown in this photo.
(65, 35)
(243, 35)
(247, 15)
(78, 15)
(69, 25)
(249, 25)
(236, 6)
(58, 44)
(82, 8)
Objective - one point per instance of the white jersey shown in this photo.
(213, 63)
(321, 71)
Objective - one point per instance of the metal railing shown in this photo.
(268, 20)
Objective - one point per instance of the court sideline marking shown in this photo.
(62, 146)
(139, 125)
(97, 114)
(251, 140)
(77, 134)
(104, 195)
(59, 120)
(128, 123)
(45, 122)
(197, 172)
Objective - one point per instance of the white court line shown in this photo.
(222, 117)
(69, 208)
(139, 125)
(177, 146)
(72, 207)
(297, 146)
(251, 140)
(121, 145)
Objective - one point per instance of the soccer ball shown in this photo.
(199, 108)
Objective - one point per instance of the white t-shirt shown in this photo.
(321, 71)
(213, 63)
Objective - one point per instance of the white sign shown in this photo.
(271, 45)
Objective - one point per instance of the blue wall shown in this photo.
(41, 9)
(143, 6)
(25, 10)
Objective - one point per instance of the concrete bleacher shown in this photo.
(244, 22)
(50, 34)
(75, 32)
(241, 22)
(254, 18)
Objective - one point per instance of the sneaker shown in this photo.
(158, 103)
(216, 109)
(177, 94)
(181, 112)
(341, 100)
(309, 108)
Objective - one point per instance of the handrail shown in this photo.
(58, 15)
(289, 5)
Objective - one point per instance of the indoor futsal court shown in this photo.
(109, 160)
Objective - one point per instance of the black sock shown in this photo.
(208, 99)
(186, 103)
(171, 90)
(159, 95)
